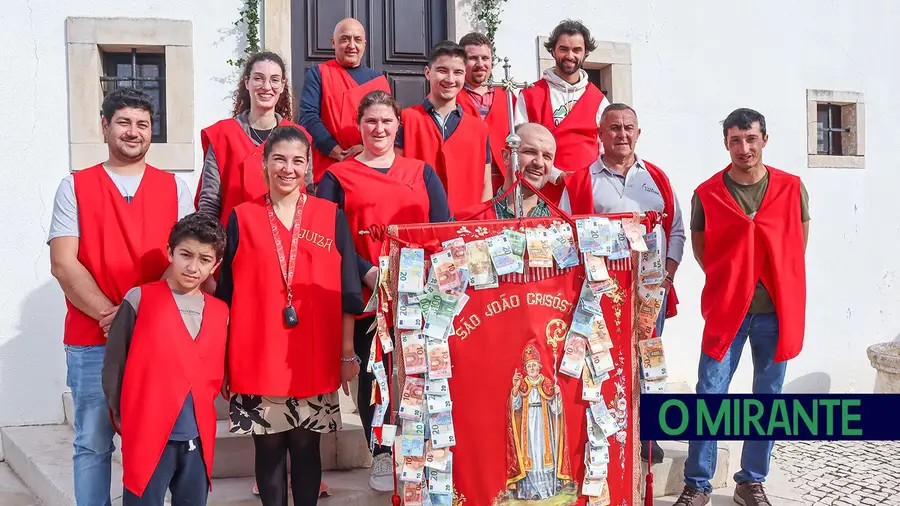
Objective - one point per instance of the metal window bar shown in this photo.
(134, 79)
(832, 146)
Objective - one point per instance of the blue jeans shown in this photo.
(181, 470)
(715, 378)
(93, 431)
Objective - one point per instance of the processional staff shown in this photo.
(512, 140)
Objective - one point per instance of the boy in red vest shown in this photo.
(566, 102)
(164, 367)
(441, 135)
(749, 228)
(479, 100)
(107, 235)
(331, 93)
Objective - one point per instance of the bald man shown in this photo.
(536, 154)
(331, 93)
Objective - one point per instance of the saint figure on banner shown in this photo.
(537, 456)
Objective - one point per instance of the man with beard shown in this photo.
(536, 153)
(109, 230)
(441, 135)
(331, 93)
(620, 182)
(566, 102)
(481, 101)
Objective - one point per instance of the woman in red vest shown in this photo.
(379, 187)
(289, 274)
(232, 147)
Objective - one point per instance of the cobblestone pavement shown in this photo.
(842, 473)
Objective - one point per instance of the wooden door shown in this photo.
(400, 34)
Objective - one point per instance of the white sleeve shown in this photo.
(564, 202)
(521, 113)
(64, 222)
(185, 199)
(603, 105)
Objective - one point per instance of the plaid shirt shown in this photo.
(504, 213)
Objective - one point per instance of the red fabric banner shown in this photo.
(513, 447)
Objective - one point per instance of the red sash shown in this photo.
(497, 121)
(121, 244)
(491, 340)
(341, 96)
(240, 163)
(265, 357)
(576, 135)
(364, 186)
(581, 199)
(741, 251)
(458, 161)
(164, 365)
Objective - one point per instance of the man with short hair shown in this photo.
(437, 132)
(536, 153)
(480, 100)
(331, 94)
(621, 182)
(108, 234)
(753, 256)
(566, 102)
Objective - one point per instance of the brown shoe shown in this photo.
(751, 494)
(691, 496)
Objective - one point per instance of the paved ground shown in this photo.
(842, 473)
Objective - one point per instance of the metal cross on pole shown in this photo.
(512, 140)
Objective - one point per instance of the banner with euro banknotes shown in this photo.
(516, 350)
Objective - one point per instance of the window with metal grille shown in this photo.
(144, 71)
(829, 129)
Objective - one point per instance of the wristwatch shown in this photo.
(354, 358)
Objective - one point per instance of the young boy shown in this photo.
(440, 134)
(164, 367)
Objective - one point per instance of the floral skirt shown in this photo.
(256, 414)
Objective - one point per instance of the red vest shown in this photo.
(164, 365)
(458, 161)
(576, 135)
(121, 244)
(265, 357)
(239, 161)
(741, 251)
(407, 203)
(581, 198)
(341, 96)
(497, 121)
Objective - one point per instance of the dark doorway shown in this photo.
(400, 34)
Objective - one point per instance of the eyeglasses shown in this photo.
(259, 81)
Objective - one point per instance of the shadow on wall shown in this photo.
(236, 34)
(812, 383)
(33, 361)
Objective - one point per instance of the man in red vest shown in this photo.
(480, 100)
(621, 182)
(536, 152)
(441, 135)
(749, 228)
(164, 368)
(566, 102)
(331, 93)
(108, 234)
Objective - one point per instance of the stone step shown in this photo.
(668, 475)
(42, 457)
(342, 450)
(12, 491)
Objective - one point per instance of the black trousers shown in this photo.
(271, 466)
(361, 344)
(181, 470)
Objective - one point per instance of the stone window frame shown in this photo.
(852, 115)
(86, 40)
(613, 59)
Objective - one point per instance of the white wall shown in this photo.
(694, 62)
(34, 157)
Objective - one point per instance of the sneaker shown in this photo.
(381, 477)
(323, 490)
(255, 489)
(657, 452)
(691, 496)
(751, 494)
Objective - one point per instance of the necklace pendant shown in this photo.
(290, 317)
